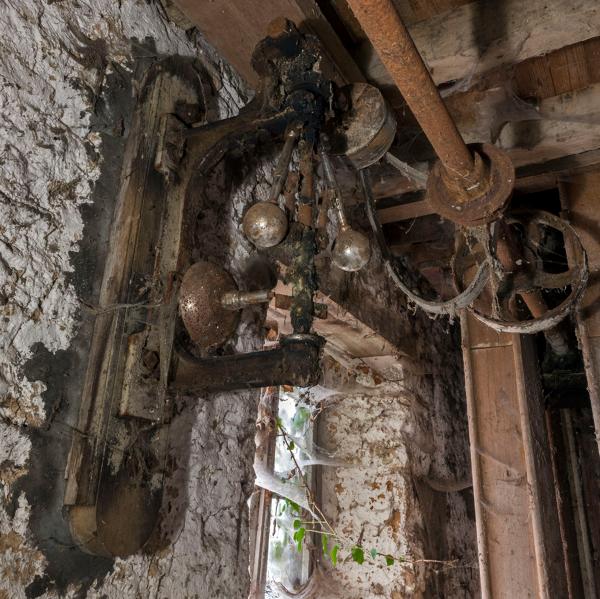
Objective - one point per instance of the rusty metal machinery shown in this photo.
(521, 272)
(165, 312)
(144, 355)
(468, 185)
(137, 364)
(209, 304)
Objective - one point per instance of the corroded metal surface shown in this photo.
(351, 251)
(392, 42)
(446, 197)
(526, 277)
(470, 188)
(207, 322)
(236, 300)
(265, 223)
(367, 127)
(296, 362)
(405, 280)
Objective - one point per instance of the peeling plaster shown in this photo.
(55, 60)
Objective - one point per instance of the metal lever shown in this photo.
(352, 249)
(265, 223)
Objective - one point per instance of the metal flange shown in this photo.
(367, 128)
(477, 202)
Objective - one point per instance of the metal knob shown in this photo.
(352, 249)
(209, 304)
(265, 224)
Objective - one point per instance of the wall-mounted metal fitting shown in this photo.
(479, 198)
(209, 304)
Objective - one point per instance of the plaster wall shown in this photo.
(67, 87)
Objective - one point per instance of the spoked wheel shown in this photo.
(531, 286)
(404, 278)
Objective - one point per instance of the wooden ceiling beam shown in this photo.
(234, 29)
(530, 178)
(475, 38)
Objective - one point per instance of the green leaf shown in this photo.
(374, 553)
(324, 540)
(292, 446)
(300, 418)
(389, 560)
(333, 554)
(294, 507)
(299, 537)
(279, 422)
(297, 524)
(358, 555)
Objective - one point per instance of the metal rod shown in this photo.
(392, 42)
(337, 194)
(523, 353)
(236, 300)
(295, 362)
(306, 197)
(281, 170)
(476, 472)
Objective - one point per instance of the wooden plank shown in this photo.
(518, 535)
(471, 39)
(530, 178)
(561, 125)
(414, 11)
(404, 211)
(480, 36)
(580, 197)
(567, 69)
(234, 29)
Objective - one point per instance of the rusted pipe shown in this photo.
(392, 42)
(469, 185)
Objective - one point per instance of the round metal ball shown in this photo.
(351, 251)
(265, 224)
(208, 324)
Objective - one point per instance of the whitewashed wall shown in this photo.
(55, 60)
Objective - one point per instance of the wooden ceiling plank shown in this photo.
(592, 55)
(234, 29)
(452, 47)
(533, 79)
(579, 75)
(568, 69)
(449, 42)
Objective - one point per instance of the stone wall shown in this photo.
(67, 90)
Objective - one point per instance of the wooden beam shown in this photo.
(530, 178)
(563, 125)
(480, 36)
(234, 29)
(580, 199)
(406, 211)
(519, 543)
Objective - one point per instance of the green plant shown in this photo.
(319, 524)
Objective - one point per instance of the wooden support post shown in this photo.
(580, 197)
(518, 533)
